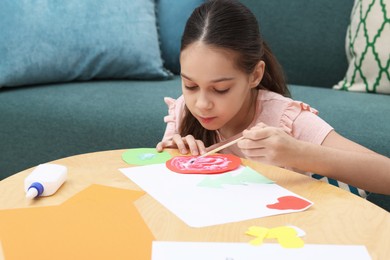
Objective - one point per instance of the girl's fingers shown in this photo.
(201, 147)
(196, 147)
(260, 132)
(180, 144)
(258, 152)
(166, 144)
(192, 144)
(251, 143)
(159, 147)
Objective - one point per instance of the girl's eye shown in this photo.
(223, 91)
(190, 87)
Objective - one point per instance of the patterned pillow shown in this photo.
(368, 48)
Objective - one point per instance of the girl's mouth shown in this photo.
(206, 120)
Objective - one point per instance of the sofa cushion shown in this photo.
(359, 117)
(172, 17)
(44, 123)
(368, 48)
(48, 41)
(307, 37)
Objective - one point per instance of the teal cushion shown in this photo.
(360, 117)
(44, 123)
(47, 41)
(172, 17)
(308, 37)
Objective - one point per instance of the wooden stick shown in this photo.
(222, 147)
(218, 149)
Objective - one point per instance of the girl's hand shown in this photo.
(269, 145)
(196, 147)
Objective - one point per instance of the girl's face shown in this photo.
(217, 93)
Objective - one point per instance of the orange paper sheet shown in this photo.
(98, 223)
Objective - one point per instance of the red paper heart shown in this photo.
(289, 202)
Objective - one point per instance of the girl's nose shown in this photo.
(203, 102)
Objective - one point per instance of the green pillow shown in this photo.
(368, 48)
(49, 41)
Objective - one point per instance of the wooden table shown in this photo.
(337, 216)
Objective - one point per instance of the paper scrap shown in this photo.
(99, 222)
(259, 232)
(286, 236)
(182, 195)
(1, 252)
(145, 156)
(300, 232)
(243, 251)
(246, 176)
(290, 202)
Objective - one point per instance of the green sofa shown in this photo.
(51, 120)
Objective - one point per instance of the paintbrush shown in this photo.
(216, 149)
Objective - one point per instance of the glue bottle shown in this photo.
(44, 180)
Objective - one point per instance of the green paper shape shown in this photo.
(251, 176)
(246, 176)
(145, 156)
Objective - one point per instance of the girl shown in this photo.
(233, 86)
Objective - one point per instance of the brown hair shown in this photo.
(230, 25)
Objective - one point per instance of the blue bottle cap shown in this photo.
(38, 187)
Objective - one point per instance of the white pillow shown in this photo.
(368, 48)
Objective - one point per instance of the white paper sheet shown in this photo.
(201, 206)
(242, 251)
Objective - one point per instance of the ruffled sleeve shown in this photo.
(303, 123)
(292, 111)
(175, 110)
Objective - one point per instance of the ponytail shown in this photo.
(273, 78)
